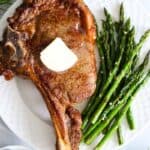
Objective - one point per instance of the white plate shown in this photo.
(24, 112)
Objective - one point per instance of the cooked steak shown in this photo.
(32, 28)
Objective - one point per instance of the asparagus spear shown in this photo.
(118, 61)
(4, 2)
(107, 110)
(122, 114)
(138, 73)
(130, 119)
(112, 45)
(106, 47)
(130, 43)
(119, 135)
(105, 87)
(129, 46)
(119, 78)
(122, 13)
(110, 29)
(100, 42)
(116, 67)
(139, 69)
(129, 52)
(109, 80)
(116, 109)
(101, 124)
(120, 24)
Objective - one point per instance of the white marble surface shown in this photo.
(142, 142)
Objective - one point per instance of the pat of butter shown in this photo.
(57, 56)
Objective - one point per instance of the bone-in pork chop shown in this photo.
(32, 28)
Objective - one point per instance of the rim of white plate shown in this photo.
(127, 142)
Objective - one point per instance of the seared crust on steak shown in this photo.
(33, 26)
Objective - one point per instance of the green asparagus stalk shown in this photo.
(110, 116)
(129, 33)
(129, 39)
(122, 114)
(130, 119)
(106, 85)
(119, 135)
(119, 78)
(129, 46)
(116, 109)
(115, 70)
(111, 30)
(127, 75)
(122, 18)
(129, 115)
(140, 68)
(100, 42)
(108, 109)
(138, 73)
(106, 47)
(130, 43)
(4, 2)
